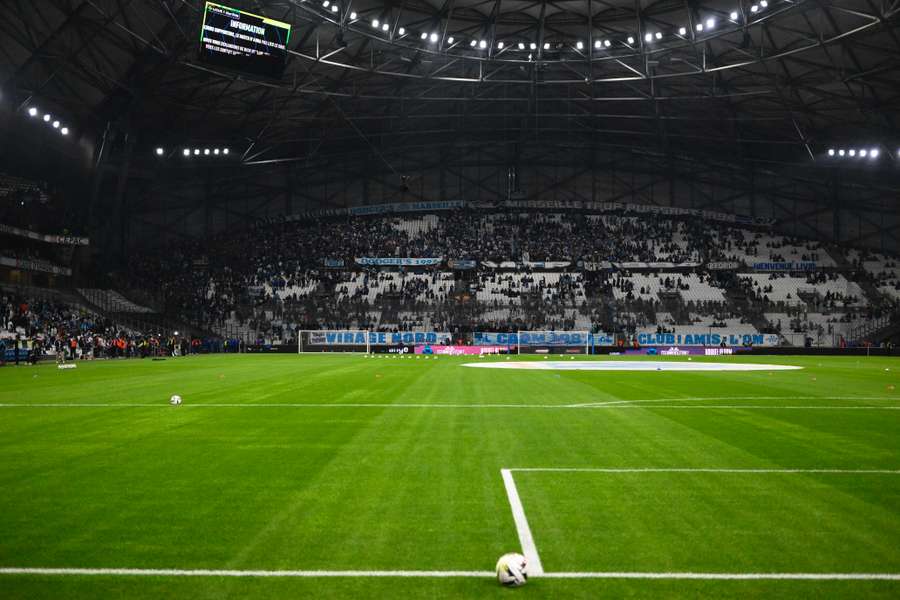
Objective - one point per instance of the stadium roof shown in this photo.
(777, 80)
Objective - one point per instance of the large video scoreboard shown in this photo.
(242, 41)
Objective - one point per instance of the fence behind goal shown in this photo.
(553, 342)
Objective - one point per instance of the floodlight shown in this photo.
(607, 43)
(648, 37)
(473, 43)
(353, 15)
(699, 27)
(206, 151)
(375, 23)
(852, 152)
(450, 39)
(401, 31)
(196, 151)
(55, 124)
(47, 118)
(186, 152)
(733, 16)
(326, 3)
(863, 152)
(841, 152)
(500, 45)
(521, 46)
(831, 152)
(682, 31)
(754, 8)
(216, 151)
(546, 45)
(385, 27)
(658, 35)
(160, 151)
(225, 151)
(630, 39)
(874, 152)
(423, 36)
(32, 112)
(710, 23)
(764, 3)
(64, 131)
(598, 44)
(532, 46)
(579, 45)
(482, 44)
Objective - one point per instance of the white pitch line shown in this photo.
(529, 549)
(721, 398)
(728, 576)
(701, 470)
(234, 573)
(76, 572)
(612, 404)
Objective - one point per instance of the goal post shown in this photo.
(553, 342)
(313, 341)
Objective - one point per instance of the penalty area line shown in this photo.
(526, 539)
(118, 572)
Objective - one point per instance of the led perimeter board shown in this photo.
(241, 41)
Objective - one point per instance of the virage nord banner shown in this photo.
(377, 338)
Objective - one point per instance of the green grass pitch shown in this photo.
(262, 469)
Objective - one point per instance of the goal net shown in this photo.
(325, 340)
(554, 342)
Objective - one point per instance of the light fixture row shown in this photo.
(854, 153)
(189, 152)
(49, 119)
(707, 24)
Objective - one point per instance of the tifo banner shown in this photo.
(557, 264)
(67, 240)
(376, 338)
(543, 338)
(461, 263)
(397, 262)
(375, 209)
(333, 263)
(729, 337)
(34, 265)
(597, 266)
(461, 350)
(726, 265)
(785, 266)
(396, 207)
(655, 265)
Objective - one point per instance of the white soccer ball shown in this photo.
(175, 400)
(512, 570)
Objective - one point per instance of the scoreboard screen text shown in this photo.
(242, 41)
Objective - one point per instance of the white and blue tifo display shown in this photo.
(377, 338)
(731, 338)
(397, 262)
(543, 338)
